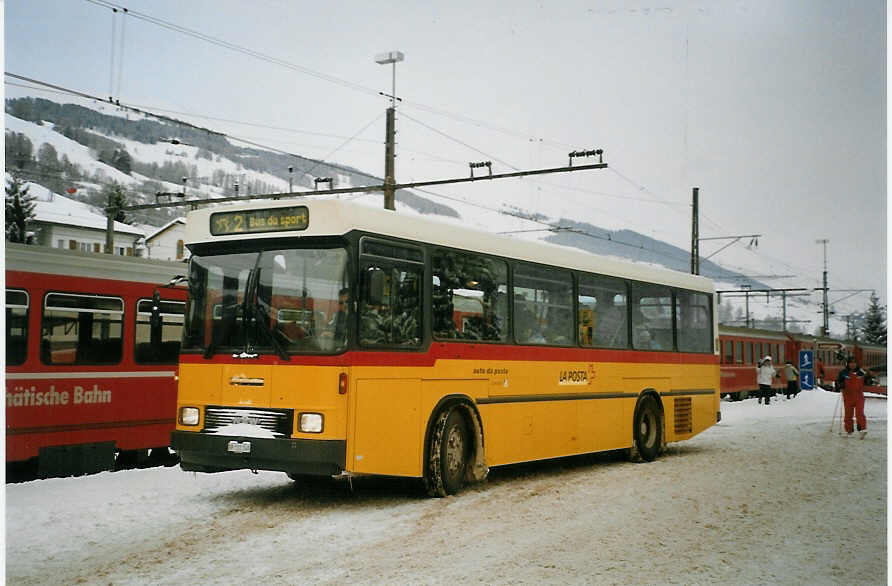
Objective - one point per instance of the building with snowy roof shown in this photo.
(166, 243)
(61, 222)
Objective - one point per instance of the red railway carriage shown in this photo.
(742, 350)
(92, 343)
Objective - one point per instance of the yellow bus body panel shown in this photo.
(528, 410)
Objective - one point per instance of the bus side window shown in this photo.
(17, 302)
(603, 312)
(82, 329)
(651, 317)
(694, 321)
(468, 297)
(390, 306)
(543, 306)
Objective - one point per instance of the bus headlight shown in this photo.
(310, 423)
(188, 416)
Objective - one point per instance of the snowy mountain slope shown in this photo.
(76, 152)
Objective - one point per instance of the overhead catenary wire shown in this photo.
(256, 54)
(464, 144)
(316, 74)
(182, 123)
(246, 140)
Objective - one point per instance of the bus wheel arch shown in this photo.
(454, 425)
(648, 427)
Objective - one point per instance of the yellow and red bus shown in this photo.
(330, 338)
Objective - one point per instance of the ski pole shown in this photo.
(835, 409)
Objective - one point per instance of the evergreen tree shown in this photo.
(874, 326)
(48, 158)
(121, 161)
(19, 210)
(115, 199)
(19, 149)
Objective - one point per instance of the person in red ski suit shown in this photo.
(851, 384)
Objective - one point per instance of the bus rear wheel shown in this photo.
(648, 431)
(448, 454)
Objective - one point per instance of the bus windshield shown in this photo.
(272, 301)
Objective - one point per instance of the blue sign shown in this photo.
(806, 360)
(806, 380)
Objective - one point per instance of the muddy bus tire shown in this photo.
(448, 455)
(648, 429)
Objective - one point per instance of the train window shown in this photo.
(728, 355)
(17, 303)
(782, 353)
(693, 321)
(543, 306)
(469, 297)
(81, 329)
(749, 352)
(159, 328)
(739, 355)
(651, 317)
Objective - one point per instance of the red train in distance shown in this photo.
(92, 343)
(742, 349)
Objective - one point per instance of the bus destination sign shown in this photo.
(264, 220)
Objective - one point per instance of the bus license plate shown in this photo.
(239, 447)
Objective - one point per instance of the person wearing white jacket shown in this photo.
(766, 375)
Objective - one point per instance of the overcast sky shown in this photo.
(775, 109)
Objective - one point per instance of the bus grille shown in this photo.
(278, 421)
(684, 421)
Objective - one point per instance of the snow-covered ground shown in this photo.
(768, 496)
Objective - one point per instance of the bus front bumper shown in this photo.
(202, 452)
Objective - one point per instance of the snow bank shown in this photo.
(767, 496)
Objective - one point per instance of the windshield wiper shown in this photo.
(252, 312)
(267, 331)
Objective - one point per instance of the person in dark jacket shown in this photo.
(792, 375)
(851, 384)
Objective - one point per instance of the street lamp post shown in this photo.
(392, 58)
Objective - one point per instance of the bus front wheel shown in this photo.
(648, 430)
(448, 455)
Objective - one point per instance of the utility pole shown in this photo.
(695, 234)
(825, 329)
(389, 156)
(392, 58)
(110, 227)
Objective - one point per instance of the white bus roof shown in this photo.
(334, 217)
